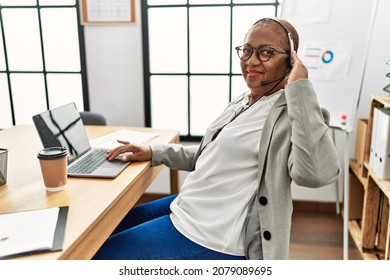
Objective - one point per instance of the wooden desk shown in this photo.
(96, 206)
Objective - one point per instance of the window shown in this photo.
(41, 58)
(191, 69)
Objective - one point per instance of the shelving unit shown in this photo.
(369, 227)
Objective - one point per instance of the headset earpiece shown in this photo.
(289, 62)
(291, 43)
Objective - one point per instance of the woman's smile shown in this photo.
(254, 73)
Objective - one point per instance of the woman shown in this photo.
(236, 202)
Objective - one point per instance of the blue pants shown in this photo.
(147, 233)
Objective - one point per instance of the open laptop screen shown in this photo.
(63, 127)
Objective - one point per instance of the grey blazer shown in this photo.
(295, 145)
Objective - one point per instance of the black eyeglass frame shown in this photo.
(239, 48)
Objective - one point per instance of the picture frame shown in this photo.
(107, 12)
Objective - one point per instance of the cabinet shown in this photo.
(369, 224)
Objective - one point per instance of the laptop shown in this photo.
(63, 127)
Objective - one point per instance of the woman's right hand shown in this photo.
(299, 70)
(134, 152)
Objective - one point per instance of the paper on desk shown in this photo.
(27, 231)
(110, 141)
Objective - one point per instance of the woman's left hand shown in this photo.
(298, 71)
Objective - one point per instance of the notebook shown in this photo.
(63, 127)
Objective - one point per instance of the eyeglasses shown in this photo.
(263, 54)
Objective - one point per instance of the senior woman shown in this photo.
(236, 201)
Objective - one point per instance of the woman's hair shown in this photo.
(280, 30)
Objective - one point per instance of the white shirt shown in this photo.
(213, 201)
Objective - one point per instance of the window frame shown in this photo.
(146, 57)
(83, 67)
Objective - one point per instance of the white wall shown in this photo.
(115, 71)
(115, 77)
(379, 52)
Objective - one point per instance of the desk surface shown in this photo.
(96, 206)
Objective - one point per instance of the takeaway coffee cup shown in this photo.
(54, 163)
(3, 166)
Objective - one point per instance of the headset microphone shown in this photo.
(274, 81)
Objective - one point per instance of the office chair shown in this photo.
(91, 118)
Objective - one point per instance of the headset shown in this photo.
(289, 38)
(291, 43)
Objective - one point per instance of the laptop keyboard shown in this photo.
(89, 163)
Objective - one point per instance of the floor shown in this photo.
(319, 236)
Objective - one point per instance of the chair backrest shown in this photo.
(91, 118)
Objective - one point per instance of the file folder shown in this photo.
(381, 164)
(373, 134)
(32, 232)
